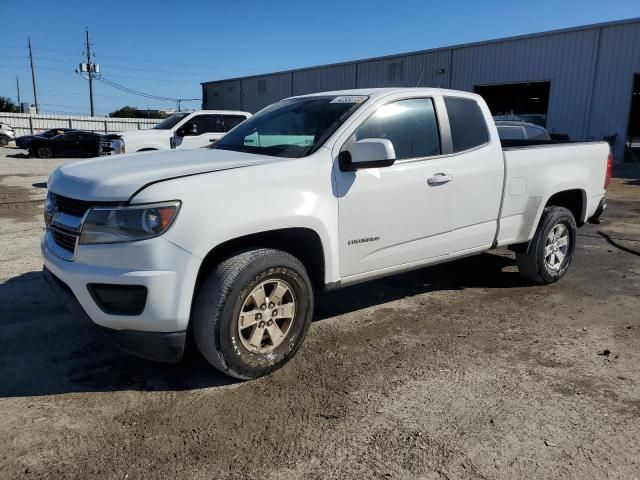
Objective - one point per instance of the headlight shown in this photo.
(128, 224)
(117, 146)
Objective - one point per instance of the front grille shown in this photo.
(64, 222)
(66, 240)
(71, 206)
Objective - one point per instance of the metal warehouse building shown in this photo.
(582, 82)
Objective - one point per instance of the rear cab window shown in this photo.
(467, 123)
(511, 133)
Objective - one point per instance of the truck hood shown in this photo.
(117, 178)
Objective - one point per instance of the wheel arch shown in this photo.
(574, 200)
(303, 243)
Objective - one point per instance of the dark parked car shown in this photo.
(75, 144)
(25, 140)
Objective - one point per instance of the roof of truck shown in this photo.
(379, 92)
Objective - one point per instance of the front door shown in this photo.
(400, 214)
(67, 145)
(199, 131)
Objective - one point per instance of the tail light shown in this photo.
(609, 174)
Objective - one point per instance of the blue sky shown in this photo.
(168, 48)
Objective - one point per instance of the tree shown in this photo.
(125, 112)
(7, 105)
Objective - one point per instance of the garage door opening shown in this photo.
(528, 102)
(633, 132)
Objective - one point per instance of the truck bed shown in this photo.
(534, 168)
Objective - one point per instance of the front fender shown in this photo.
(225, 205)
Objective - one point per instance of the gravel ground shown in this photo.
(457, 371)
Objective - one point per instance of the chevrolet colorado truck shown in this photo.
(313, 192)
(183, 130)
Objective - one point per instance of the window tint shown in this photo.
(510, 133)
(231, 121)
(468, 125)
(410, 125)
(292, 128)
(534, 133)
(204, 124)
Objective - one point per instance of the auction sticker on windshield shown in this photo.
(349, 99)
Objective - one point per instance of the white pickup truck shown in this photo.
(183, 130)
(313, 192)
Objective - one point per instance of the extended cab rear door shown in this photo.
(477, 171)
(400, 214)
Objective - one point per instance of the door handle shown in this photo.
(439, 179)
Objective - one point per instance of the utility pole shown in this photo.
(90, 71)
(33, 78)
(18, 87)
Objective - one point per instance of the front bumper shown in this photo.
(166, 271)
(157, 346)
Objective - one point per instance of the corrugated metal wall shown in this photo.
(618, 60)
(324, 79)
(590, 69)
(564, 59)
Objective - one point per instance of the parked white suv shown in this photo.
(7, 134)
(314, 192)
(183, 130)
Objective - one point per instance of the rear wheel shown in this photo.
(4, 140)
(253, 312)
(550, 252)
(44, 152)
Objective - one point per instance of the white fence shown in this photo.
(27, 124)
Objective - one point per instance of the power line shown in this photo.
(147, 95)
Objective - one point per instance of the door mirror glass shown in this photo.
(368, 153)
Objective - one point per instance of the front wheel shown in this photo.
(550, 251)
(44, 152)
(4, 140)
(253, 312)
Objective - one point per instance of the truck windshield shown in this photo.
(170, 122)
(291, 128)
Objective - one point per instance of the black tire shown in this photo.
(44, 152)
(4, 140)
(221, 297)
(531, 263)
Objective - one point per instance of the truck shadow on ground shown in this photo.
(44, 351)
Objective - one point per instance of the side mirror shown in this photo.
(368, 153)
(187, 130)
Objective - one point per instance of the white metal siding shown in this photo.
(417, 70)
(618, 61)
(225, 95)
(563, 59)
(26, 124)
(277, 87)
(324, 79)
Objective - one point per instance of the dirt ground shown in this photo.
(459, 371)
